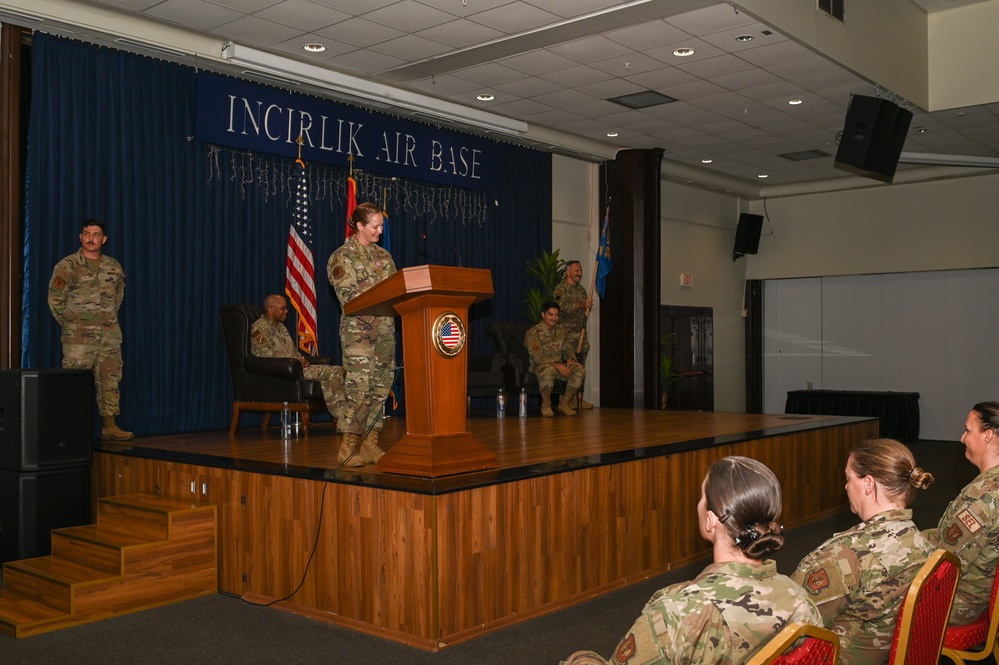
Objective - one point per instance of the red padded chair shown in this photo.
(819, 647)
(960, 640)
(919, 630)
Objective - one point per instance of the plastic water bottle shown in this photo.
(522, 410)
(500, 404)
(285, 422)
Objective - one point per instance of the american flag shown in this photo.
(300, 272)
(450, 335)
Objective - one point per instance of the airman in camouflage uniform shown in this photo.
(269, 338)
(368, 342)
(552, 355)
(574, 307)
(722, 616)
(970, 526)
(85, 293)
(970, 529)
(858, 580)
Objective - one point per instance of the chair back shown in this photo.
(236, 322)
(982, 632)
(818, 646)
(919, 629)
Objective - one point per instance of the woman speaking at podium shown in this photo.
(368, 342)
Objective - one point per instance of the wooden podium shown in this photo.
(433, 302)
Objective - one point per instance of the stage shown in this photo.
(577, 506)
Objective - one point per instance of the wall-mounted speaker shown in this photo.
(747, 235)
(872, 139)
(46, 418)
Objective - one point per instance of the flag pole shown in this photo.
(593, 287)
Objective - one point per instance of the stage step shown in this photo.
(144, 551)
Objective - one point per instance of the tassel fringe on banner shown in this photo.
(279, 177)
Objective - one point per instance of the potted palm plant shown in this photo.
(548, 270)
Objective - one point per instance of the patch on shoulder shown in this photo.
(626, 649)
(817, 580)
(338, 272)
(953, 533)
(968, 519)
(59, 283)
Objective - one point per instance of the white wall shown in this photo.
(698, 234)
(576, 234)
(928, 332)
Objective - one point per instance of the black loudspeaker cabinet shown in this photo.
(747, 235)
(873, 136)
(46, 418)
(32, 503)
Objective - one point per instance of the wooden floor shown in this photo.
(577, 506)
(516, 442)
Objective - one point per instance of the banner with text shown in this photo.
(241, 114)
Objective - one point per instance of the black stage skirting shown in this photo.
(898, 412)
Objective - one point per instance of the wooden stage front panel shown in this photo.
(579, 506)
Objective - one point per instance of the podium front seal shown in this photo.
(449, 334)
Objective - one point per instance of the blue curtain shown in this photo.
(111, 138)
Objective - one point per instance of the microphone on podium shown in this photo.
(437, 242)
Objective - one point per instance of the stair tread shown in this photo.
(59, 569)
(153, 502)
(105, 534)
(20, 609)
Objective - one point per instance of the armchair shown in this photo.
(264, 384)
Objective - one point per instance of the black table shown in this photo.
(899, 412)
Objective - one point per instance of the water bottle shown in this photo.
(522, 411)
(500, 404)
(285, 422)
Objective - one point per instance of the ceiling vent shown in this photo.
(642, 100)
(804, 155)
(833, 9)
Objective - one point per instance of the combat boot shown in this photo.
(546, 406)
(370, 451)
(565, 404)
(585, 404)
(346, 456)
(111, 432)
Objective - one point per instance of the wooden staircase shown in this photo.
(144, 551)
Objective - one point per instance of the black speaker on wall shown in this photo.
(32, 503)
(872, 139)
(747, 235)
(46, 418)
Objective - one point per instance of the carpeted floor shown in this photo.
(223, 629)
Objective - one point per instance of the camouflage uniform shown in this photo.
(571, 319)
(722, 616)
(552, 346)
(970, 529)
(858, 580)
(270, 339)
(368, 341)
(84, 296)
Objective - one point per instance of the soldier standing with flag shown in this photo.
(575, 307)
(368, 342)
(85, 293)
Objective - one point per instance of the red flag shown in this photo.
(351, 203)
(300, 272)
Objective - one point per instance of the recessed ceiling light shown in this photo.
(611, 134)
(683, 52)
(922, 130)
(794, 102)
(744, 38)
(314, 48)
(485, 97)
(706, 161)
(763, 175)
